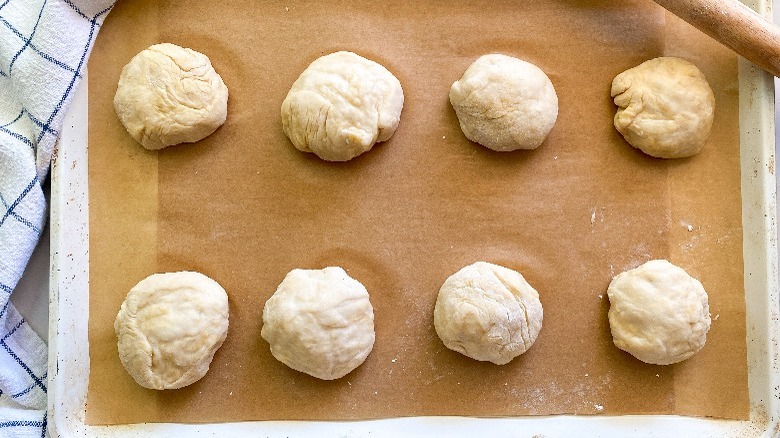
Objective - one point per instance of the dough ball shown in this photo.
(169, 95)
(488, 312)
(169, 327)
(665, 107)
(504, 103)
(658, 313)
(342, 105)
(319, 322)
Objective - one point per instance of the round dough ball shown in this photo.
(169, 95)
(488, 312)
(342, 105)
(169, 327)
(319, 322)
(658, 313)
(665, 107)
(504, 103)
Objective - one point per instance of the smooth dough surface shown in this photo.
(169, 327)
(665, 107)
(488, 312)
(169, 95)
(319, 322)
(658, 313)
(342, 105)
(505, 103)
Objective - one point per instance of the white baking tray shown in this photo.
(68, 313)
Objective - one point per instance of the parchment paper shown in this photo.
(244, 207)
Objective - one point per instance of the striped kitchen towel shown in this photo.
(44, 46)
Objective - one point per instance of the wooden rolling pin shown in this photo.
(734, 25)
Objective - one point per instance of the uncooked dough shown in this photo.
(169, 95)
(665, 107)
(658, 313)
(169, 327)
(488, 312)
(342, 105)
(319, 322)
(504, 103)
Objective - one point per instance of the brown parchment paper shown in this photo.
(244, 207)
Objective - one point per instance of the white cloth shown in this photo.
(44, 46)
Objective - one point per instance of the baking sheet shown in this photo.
(245, 207)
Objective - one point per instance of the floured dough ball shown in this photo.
(658, 313)
(665, 107)
(319, 322)
(169, 327)
(488, 312)
(169, 95)
(504, 103)
(342, 105)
